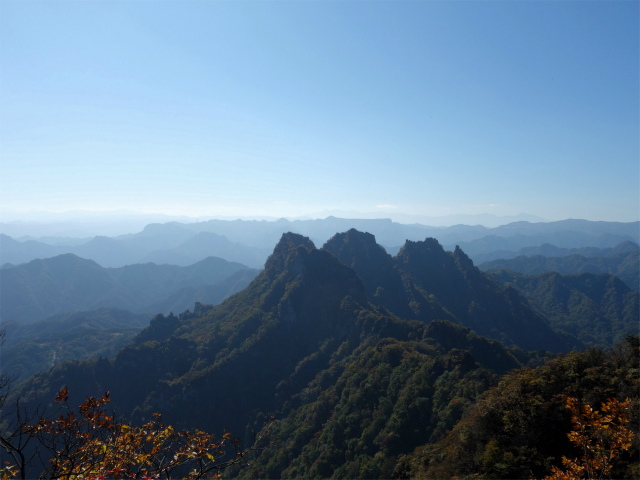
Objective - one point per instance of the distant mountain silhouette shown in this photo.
(250, 242)
(501, 242)
(205, 244)
(65, 283)
(185, 298)
(15, 252)
(622, 261)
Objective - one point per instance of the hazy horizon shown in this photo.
(85, 224)
(293, 109)
(81, 224)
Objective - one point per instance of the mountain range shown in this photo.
(367, 360)
(369, 354)
(622, 261)
(250, 242)
(424, 282)
(258, 349)
(598, 309)
(66, 283)
(89, 224)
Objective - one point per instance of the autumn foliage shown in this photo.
(91, 444)
(601, 435)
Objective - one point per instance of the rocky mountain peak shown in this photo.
(462, 259)
(358, 250)
(289, 243)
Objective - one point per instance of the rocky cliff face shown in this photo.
(425, 282)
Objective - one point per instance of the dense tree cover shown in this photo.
(91, 443)
(622, 261)
(35, 347)
(597, 309)
(357, 417)
(519, 428)
(600, 435)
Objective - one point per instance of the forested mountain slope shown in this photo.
(424, 282)
(38, 346)
(356, 388)
(597, 309)
(622, 261)
(519, 428)
(357, 417)
(305, 311)
(67, 283)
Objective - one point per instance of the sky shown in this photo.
(299, 108)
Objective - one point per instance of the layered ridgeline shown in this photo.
(597, 309)
(622, 261)
(251, 242)
(317, 339)
(169, 243)
(67, 283)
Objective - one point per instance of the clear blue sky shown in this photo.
(287, 108)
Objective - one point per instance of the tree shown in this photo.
(13, 439)
(92, 444)
(601, 436)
